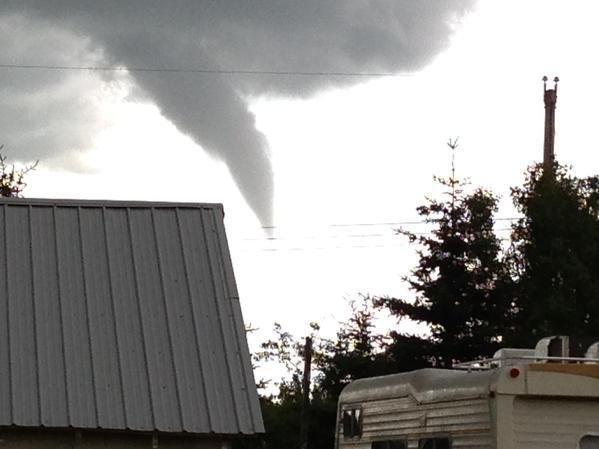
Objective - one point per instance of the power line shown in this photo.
(344, 225)
(341, 236)
(354, 236)
(206, 71)
(327, 248)
(388, 223)
(319, 248)
(313, 237)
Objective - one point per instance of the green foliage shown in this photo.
(473, 296)
(460, 283)
(282, 411)
(287, 351)
(12, 180)
(354, 353)
(555, 255)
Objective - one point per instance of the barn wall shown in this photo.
(39, 439)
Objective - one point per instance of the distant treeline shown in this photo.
(474, 291)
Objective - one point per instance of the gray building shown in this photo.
(120, 327)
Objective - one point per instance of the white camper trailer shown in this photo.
(521, 399)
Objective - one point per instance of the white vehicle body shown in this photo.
(522, 406)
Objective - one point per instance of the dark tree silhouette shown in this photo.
(555, 255)
(12, 179)
(473, 296)
(460, 283)
(355, 352)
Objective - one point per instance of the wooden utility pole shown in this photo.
(550, 98)
(304, 419)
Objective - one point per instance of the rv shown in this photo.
(519, 399)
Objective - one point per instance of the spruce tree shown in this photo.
(460, 283)
(555, 255)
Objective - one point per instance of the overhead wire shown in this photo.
(387, 223)
(207, 71)
(327, 248)
(409, 222)
(341, 237)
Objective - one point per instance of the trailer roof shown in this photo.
(425, 385)
(121, 315)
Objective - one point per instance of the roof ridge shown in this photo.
(81, 202)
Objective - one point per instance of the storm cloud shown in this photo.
(249, 35)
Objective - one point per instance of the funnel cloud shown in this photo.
(261, 35)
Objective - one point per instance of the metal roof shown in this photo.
(121, 315)
(425, 385)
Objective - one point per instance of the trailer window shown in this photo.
(352, 423)
(589, 442)
(434, 443)
(390, 444)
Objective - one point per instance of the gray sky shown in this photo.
(312, 152)
(306, 36)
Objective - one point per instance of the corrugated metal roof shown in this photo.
(121, 315)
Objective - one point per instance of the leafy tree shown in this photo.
(282, 411)
(555, 255)
(460, 283)
(353, 353)
(12, 179)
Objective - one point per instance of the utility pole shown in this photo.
(304, 419)
(550, 98)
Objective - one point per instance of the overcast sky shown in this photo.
(325, 162)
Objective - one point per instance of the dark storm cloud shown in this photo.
(45, 114)
(273, 35)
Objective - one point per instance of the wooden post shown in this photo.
(550, 99)
(78, 444)
(304, 418)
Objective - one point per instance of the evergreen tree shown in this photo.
(461, 285)
(555, 255)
